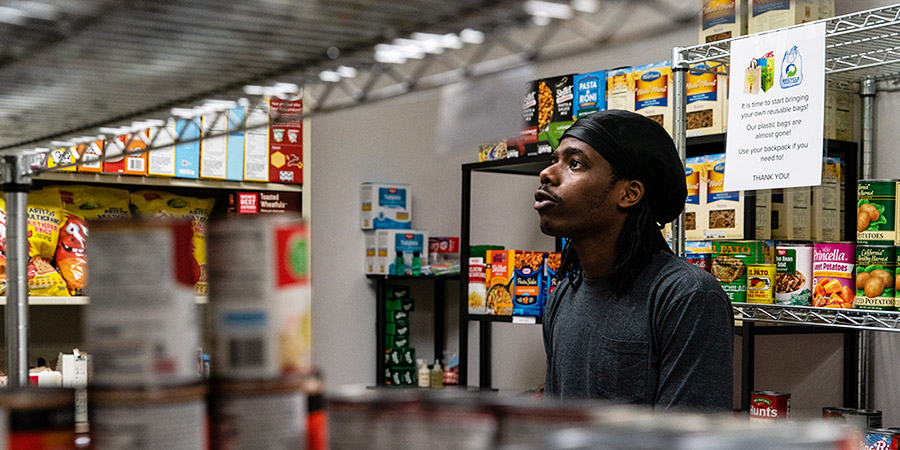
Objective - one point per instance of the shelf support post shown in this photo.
(16, 178)
(679, 135)
(867, 92)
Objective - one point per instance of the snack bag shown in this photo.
(44, 280)
(70, 253)
(44, 218)
(3, 228)
(166, 205)
(95, 203)
(2, 274)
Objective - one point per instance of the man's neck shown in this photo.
(597, 254)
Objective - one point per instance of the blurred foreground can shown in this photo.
(142, 321)
(880, 439)
(259, 298)
(768, 405)
(269, 414)
(149, 419)
(37, 419)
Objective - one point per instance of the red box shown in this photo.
(286, 142)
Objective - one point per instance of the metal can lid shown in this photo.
(771, 393)
(241, 388)
(143, 397)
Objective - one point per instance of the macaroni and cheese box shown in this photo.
(826, 204)
(763, 213)
(722, 19)
(385, 206)
(653, 92)
(477, 288)
(89, 154)
(619, 86)
(705, 91)
(392, 245)
(590, 93)
(767, 15)
(790, 214)
(724, 210)
(125, 154)
(500, 282)
(256, 146)
(555, 101)
(62, 157)
(161, 161)
(286, 142)
(529, 274)
(695, 203)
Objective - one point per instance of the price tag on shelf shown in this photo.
(526, 320)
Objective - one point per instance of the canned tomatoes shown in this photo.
(875, 270)
(768, 405)
(833, 281)
(761, 283)
(875, 212)
(794, 279)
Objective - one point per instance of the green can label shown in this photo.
(729, 265)
(876, 267)
(875, 212)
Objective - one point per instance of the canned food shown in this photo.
(149, 419)
(769, 405)
(833, 280)
(259, 298)
(761, 283)
(880, 439)
(729, 265)
(700, 260)
(38, 418)
(875, 270)
(235, 418)
(835, 413)
(142, 321)
(863, 418)
(794, 278)
(875, 212)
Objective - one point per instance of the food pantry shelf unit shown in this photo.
(79, 300)
(820, 317)
(131, 180)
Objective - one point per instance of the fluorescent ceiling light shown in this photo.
(346, 71)
(586, 6)
(470, 36)
(329, 76)
(551, 10)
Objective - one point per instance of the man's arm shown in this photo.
(696, 340)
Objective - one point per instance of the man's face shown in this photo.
(578, 194)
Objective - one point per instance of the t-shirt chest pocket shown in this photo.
(619, 369)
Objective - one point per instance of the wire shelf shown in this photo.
(820, 317)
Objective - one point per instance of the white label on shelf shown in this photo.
(776, 110)
(525, 320)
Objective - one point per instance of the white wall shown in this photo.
(392, 141)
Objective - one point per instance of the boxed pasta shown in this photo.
(722, 19)
(704, 100)
(385, 206)
(838, 115)
(256, 146)
(619, 86)
(724, 210)
(161, 161)
(396, 250)
(214, 153)
(763, 213)
(529, 274)
(767, 15)
(653, 92)
(790, 214)
(695, 203)
(528, 137)
(555, 97)
(826, 204)
(590, 93)
(551, 266)
(477, 275)
(500, 282)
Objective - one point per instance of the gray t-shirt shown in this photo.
(667, 343)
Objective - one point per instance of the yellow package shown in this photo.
(166, 205)
(3, 227)
(93, 203)
(44, 218)
(44, 280)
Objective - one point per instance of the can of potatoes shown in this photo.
(236, 422)
(149, 419)
(876, 266)
(37, 418)
(142, 322)
(876, 203)
(259, 298)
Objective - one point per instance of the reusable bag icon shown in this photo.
(791, 68)
(752, 78)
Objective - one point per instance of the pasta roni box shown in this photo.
(724, 210)
(590, 93)
(385, 206)
(529, 274)
(392, 245)
(619, 85)
(500, 282)
(704, 100)
(555, 97)
(653, 92)
(551, 268)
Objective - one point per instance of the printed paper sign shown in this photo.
(776, 110)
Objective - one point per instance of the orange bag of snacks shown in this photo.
(70, 253)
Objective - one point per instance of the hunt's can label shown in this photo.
(875, 271)
(880, 439)
(833, 280)
(768, 405)
(761, 283)
(794, 279)
(876, 203)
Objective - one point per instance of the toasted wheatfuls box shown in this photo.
(653, 92)
(695, 203)
(765, 15)
(705, 95)
(724, 210)
(722, 19)
(619, 87)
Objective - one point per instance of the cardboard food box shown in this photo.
(477, 287)
(555, 100)
(826, 204)
(551, 266)
(619, 88)
(385, 206)
(500, 282)
(705, 93)
(763, 214)
(653, 92)
(590, 93)
(234, 158)
(214, 152)
(529, 274)
(161, 161)
(722, 19)
(724, 210)
(62, 157)
(286, 142)
(187, 154)
(838, 115)
(695, 203)
(396, 246)
(125, 154)
(791, 215)
(240, 203)
(371, 260)
(528, 137)
(256, 146)
(765, 15)
(89, 154)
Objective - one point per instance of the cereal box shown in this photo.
(161, 161)
(529, 274)
(256, 146)
(767, 15)
(826, 204)
(89, 154)
(286, 141)
(590, 93)
(722, 19)
(555, 100)
(695, 203)
(653, 92)
(214, 152)
(500, 282)
(187, 154)
(704, 100)
(234, 158)
(619, 88)
(477, 276)
(763, 213)
(385, 206)
(790, 214)
(724, 210)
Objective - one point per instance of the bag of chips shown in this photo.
(70, 253)
(44, 219)
(157, 204)
(95, 203)
(44, 280)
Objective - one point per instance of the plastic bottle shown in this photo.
(437, 375)
(424, 374)
(416, 265)
(399, 266)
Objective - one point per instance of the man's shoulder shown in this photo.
(676, 278)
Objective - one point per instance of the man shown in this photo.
(629, 322)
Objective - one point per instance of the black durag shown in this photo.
(638, 149)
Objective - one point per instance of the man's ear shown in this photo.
(632, 193)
